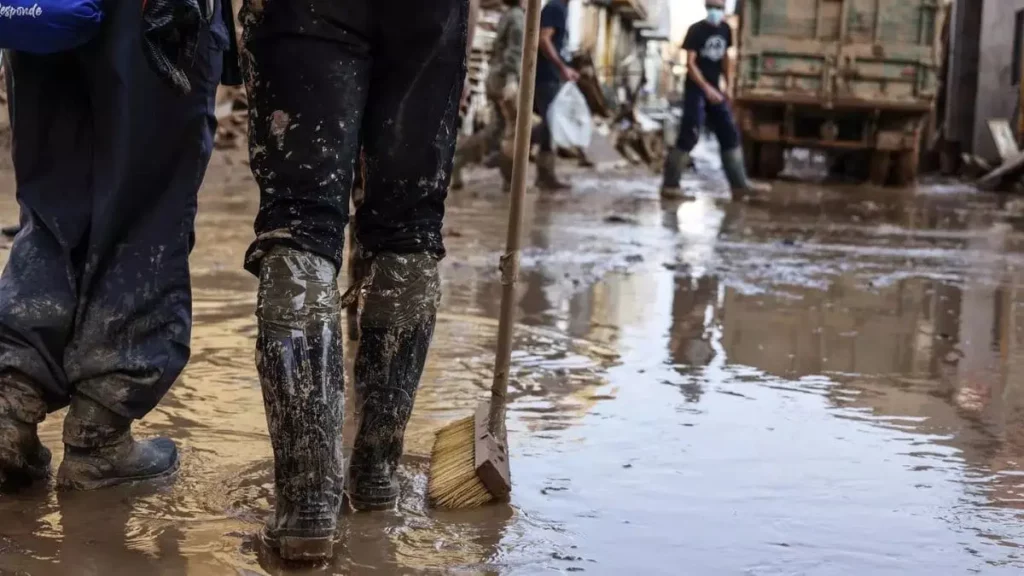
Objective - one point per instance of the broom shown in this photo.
(469, 464)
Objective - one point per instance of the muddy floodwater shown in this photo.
(828, 384)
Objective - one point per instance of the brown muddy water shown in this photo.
(832, 383)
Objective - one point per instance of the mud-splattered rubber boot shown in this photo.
(546, 178)
(675, 162)
(100, 452)
(743, 189)
(399, 313)
(299, 359)
(23, 459)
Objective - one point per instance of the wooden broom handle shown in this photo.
(509, 265)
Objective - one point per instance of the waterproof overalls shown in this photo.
(95, 299)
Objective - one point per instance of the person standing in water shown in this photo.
(328, 81)
(707, 46)
(110, 143)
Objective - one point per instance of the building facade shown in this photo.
(986, 40)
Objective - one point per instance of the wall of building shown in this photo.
(997, 95)
(962, 74)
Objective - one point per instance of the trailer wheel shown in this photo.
(771, 160)
(904, 168)
(878, 167)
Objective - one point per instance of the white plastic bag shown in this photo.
(569, 118)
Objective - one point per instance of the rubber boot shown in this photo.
(299, 360)
(675, 162)
(399, 312)
(23, 459)
(99, 451)
(741, 186)
(546, 178)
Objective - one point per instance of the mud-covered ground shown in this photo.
(831, 383)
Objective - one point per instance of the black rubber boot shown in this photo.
(299, 359)
(399, 312)
(23, 459)
(675, 162)
(99, 450)
(546, 178)
(741, 186)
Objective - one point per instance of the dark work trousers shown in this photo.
(96, 298)
(696, 111)
(543, 95)
(325, 78)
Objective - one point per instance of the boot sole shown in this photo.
(305, 549)
(67, 484)
(300, 548)
(372, 504)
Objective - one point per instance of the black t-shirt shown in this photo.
(710, 42)
(553, 15)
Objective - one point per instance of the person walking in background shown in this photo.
(552, 72)
(704, 99)
(502, 86)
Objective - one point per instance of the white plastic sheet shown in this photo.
(569, 118)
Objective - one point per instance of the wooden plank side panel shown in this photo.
(785, 18)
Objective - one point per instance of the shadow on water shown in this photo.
(823, 384)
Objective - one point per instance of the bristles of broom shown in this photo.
(453, 479)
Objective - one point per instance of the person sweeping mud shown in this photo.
(704, 99)
(327, 81)
(111, 141)
(502, 85)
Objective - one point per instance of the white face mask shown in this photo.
(716, 15)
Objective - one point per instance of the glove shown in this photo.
(170, 35)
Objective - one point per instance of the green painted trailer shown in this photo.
(858, 78)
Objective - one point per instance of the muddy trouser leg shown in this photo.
(678, 157)
(544, 95)
(107, 187)
(495, 130)
(507, 141)
(721, 122)
(409, 155)
(38, 285)
(307, 66)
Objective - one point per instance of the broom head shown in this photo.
(469, 466)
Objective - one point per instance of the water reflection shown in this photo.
(936, 358)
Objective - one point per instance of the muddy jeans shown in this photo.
(696, 111)
(96, 295)
(543, 95)
(325, 77)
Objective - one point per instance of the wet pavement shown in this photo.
(829, 383)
